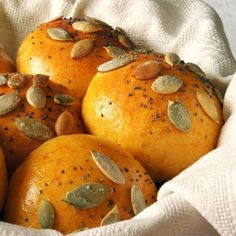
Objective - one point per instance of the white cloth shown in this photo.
(202, 199)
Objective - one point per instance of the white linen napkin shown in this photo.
(202, 199)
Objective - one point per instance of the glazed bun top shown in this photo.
(33, 109)
(6, 65)
(69, 50)
(162, 110)
(76, 182)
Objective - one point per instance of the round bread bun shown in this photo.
(3, 179)
(30, 116)
(72, 182)
(157, 108)
(69, 50)
(6, 65)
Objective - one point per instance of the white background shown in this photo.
(227, 11)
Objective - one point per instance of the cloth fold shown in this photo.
(202, 199)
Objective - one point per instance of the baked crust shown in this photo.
(41, 54)
(126, 110)
(15, 144)
(62, 164)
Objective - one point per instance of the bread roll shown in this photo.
(3, 179)
(163, 111)
(6, 65)
(32, 111)
(77, 182)
(69, 50)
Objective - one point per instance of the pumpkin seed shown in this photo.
(108, 167)
(33, 128)
(46, 214)
(88, 195)
(112, 217)
(137, 199)
(41, 80)
(209, 106)
(17, 81)
(167, 84)
(36, 97)
(65, 123)
(121, 31)
(63, 99)
(172, 59)
(219, 95)
(125, 41)
(82, 48)
(147, 70)
(142, 51)
(178, 116)
(114, 52)
(52, 19)
(59, 34)
(3, 80)
(96, 21)
(195, 69)
(8, 102)
(86, 27)
(115, 63)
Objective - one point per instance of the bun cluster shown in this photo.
(34, 109)
(69, 51)
(141, 108)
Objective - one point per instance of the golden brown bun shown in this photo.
(41, 54)
(62, 164)
(6, 64)
(125, 110)
(16, 145)
(3, 179)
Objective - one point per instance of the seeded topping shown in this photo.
(121, 31)
(17, 81)
(8, 102)
(167, 84)
(114, 52)
(142, 51)
(172, 59)
(178, 116)
(40, 80)
(59, 34)
(137, 199)
(86, 27)
(209, 106)
(108, 167)
(115, 63)
(88, 195)
(33, 128)
(3, 80)
(36, 97)
(82, 48)
(195, 69)
(147, 70)
(65, 123)
(63, 99)
(112, 217)
(46, 214)
(125, 41)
